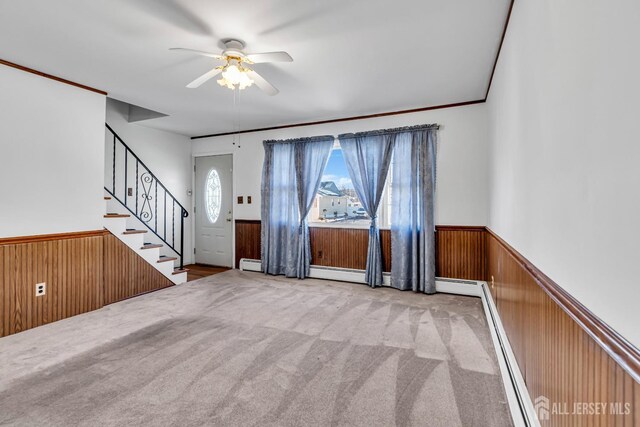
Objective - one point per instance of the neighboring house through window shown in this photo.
(337, 204)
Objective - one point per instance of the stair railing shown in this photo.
(134, 185)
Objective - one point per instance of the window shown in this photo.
(337, 205)
(212, 195)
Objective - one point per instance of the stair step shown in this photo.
(116, 215)
(180, 270)
(164, 258)
(107, 197)
(133, 231)
(150, 246)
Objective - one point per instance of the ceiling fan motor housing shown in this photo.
(233, 47)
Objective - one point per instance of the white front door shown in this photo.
(214, 215)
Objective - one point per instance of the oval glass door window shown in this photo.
(212, 195)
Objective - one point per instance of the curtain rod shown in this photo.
(303, 139)
(390, 131)
(357, 134)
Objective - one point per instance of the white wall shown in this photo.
(51, 156)
(565, 157)
(167, 154)
(462, 173)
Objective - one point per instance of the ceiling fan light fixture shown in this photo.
(245, 81)
(234, 75)
(225, 83)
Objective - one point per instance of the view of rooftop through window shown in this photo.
(337, 202)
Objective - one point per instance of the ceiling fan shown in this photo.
(234, 71)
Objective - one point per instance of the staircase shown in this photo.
(141, 212)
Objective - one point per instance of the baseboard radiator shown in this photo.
(460, 287)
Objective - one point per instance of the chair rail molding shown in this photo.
(621, 350)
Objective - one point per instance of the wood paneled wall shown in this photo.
(560, 359)
(346, 247)
(460, 250)
(82, 271)
(339, 247)
(71, 265)
(126, 274)
(247, 240)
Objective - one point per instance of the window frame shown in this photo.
(384, 209)
(213, 177)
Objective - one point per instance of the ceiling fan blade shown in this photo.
(203, 78)
(264, 85)
(176, 14)
(258, 58)
(199, 52)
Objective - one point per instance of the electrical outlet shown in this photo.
(249, 199)
(129, 191)
(41, 289)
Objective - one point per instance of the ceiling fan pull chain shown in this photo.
(238, 117)
(235, 114)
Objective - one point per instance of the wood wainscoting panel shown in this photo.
(559, 358)
(346, 247)
(461, 252)
(339, 247)
(247, 240)
(385, 243)
(126, 274)
(70, 265)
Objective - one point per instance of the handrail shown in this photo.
(141, 162)
(150, 183)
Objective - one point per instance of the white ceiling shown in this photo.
(351, 57)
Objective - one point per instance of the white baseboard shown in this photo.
(520, 405)
(449, 286)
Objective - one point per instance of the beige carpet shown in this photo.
(239, 349)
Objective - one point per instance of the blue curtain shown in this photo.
(412, 211)
(311, 159)
(280, 214)
(290, 178)
(367, 156)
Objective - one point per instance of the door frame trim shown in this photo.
(233, 198)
